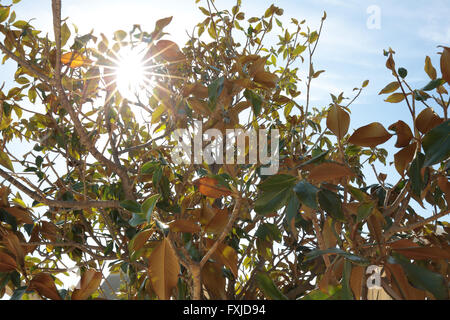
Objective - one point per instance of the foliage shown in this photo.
(98, 185)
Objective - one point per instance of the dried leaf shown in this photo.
(140, 239)
(169, 51)
(445, 64)
(371, 135)
(267, 79)
(90, 281)
(356, 280)
(213, 279)
(224, 254)
(338, 121)
(184, 225)
(330, 172)
(44, 284)
(427, 120)
(211, 188)
(404, 157)
(444, 185)
(429, 69)
(218, 222)
(164, 269)
(12, 243)
(7, 263)
(21, 215)
(404, 133)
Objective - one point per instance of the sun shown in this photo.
(132, 76)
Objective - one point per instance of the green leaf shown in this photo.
(214, 91)
(292, 209)
(403, 72)
(307, 194)
(4, 13)
(137, 220)
(65, 34)
(5, 161)
(421, 277)
(149, 167)
(346, 289)
(149, 205)
(277, 182)
(436, 144)
(364, 211)
(131, 206)
(433, 84)
(255, 100)
(416, 175)
(268, 232)
(268, 287)
(18, 293)
(331, 203)
(349, 256)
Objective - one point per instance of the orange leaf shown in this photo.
(74, 60)
(44, 284)
(445, 64)
(183, 225)
(338, 121)
(7, 263)
(404, 133)
(404, 157)
(12, 243)
(163, 269)
(169, 50)
(356, 281)
(90, 281)
(371, 135)
(427, 120)
(211, 188)
(401, 283)
(330, 172)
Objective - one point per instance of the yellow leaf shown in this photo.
(90, 281)
(224, 254)
(5, 161)
(395, 98)
(427, 120)
(404, 133)
(429, 69)
(74, 60)
(391, 87)
(44, 284)
(445, 64)
(156, 115)
(338, 121)
(370, 136)
(163, 269)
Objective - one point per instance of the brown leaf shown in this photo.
(356, 281)
(90, 281)
(267, 79)
(401, 284)
(211, 188)
(44, 284)
(7, 263)
(371, 135)
(184, 225)
(21, 215)
(224, 254)
(49, 231)
(427, 120)
(330, 172)
(395, 98)
(140, 239)
(404, 133)
(404, 157)
(390, 63)
(162, 23)
(169, 51)
(445, 64)
(74, 59)
(328, 235)
(163, 269)
(213, 279)
(218, 222)
(444, 185)
(12, 243)
(338, 121)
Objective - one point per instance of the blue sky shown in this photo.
(349, 51)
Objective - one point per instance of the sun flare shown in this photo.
(131, 76)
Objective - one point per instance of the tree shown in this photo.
(102, 185)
